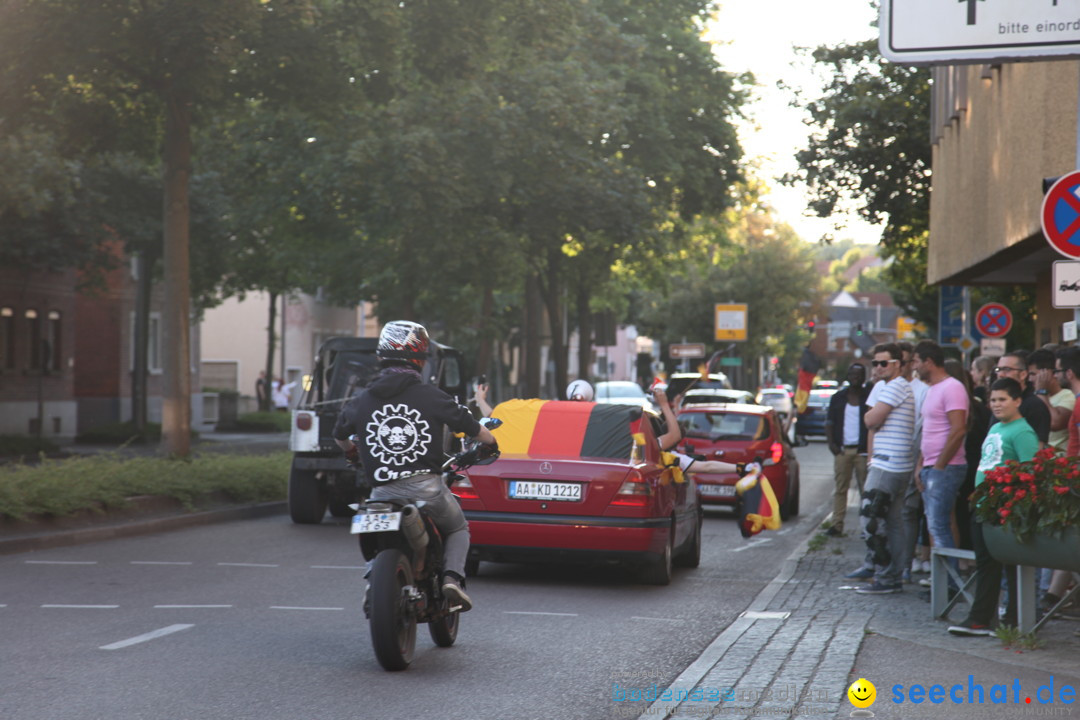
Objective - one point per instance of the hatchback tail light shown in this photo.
(777, 452)
(634, 492)
(464, 489)
(303, 421)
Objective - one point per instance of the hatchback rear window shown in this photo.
(724, 426)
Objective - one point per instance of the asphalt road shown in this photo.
(262, 619)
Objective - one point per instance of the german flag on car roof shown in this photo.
(557, 428)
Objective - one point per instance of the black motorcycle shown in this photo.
(404, 584)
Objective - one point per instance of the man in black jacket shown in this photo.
(399, 420)
(846, 435)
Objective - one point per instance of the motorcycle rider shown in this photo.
(401, 419)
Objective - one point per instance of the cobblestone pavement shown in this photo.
(804, 640)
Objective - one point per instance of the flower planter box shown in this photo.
(1045, 551)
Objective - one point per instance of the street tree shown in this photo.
(868, 150)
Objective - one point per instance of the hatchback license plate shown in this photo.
(375, 522)
(717, 490)
(530, 490)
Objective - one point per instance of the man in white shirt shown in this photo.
(891, 422)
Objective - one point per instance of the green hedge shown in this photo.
(268, 422)
(61, 487)
(25, 446)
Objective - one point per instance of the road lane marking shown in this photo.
(754, 544)
(145, 637)
(674, 620)
(285, 607)
(83, 607)
(524, 612)
(264, 565)
(61, 562)
(188, 607)
(158, 562)
(338, 567)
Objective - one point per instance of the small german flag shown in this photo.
(559, 428)
(758, 509)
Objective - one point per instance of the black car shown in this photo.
(319, 477)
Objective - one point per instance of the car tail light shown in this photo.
(303, 421)
(634, 492)
(777, 452)
(464, 489)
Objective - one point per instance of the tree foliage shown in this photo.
(869, 150)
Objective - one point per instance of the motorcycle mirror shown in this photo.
(491, 423)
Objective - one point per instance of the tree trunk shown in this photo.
(139, 370)
(585, 327)
(531, 347)
(483, 355)
(552, 292)
(266, 401)
(176, 405)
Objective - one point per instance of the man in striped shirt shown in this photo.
(891, 422)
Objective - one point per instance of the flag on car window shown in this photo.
(557, 428)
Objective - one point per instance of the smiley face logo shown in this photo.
(862, 693)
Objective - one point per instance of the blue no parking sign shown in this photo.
(1061, 215)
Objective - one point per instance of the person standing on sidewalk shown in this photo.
(1068, 362)
(891, 423)
(846, 435)
(1059, 400)
(944, 464)
(1011, 438)
(1014, 365)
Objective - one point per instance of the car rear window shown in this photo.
(724, 426)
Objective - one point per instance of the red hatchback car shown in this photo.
(581, 481)
(741, 433)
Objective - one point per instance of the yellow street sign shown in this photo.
(730, 322)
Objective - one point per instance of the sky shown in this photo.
(760, 36)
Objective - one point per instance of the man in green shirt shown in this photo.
(1011, 438)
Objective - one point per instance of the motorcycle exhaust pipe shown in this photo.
(412, 525)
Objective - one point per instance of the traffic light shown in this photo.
(811, 325)
(858, 329)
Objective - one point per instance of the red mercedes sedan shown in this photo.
(581, 481)
(737, 433)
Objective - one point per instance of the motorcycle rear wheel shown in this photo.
(444, 630)
(393, 625)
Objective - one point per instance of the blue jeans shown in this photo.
(940, 488)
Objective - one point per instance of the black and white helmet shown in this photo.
(403, 340)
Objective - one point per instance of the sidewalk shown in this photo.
(808, 636)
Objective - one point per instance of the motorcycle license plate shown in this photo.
(531, 490)
(375, 522)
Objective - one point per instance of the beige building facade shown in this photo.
(998, 131)
(234, 339)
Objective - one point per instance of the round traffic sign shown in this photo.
(1061, 215)
(993, 320)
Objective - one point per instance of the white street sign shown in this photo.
(967, 31)
(1066, 284)
(992, 346)
(1068, 331)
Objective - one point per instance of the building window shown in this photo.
(153, 343)
(52, 339)
(7, 338)
(34, 355)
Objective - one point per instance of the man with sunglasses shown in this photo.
(1014, 365)
(1058, 400)
(891, 422)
